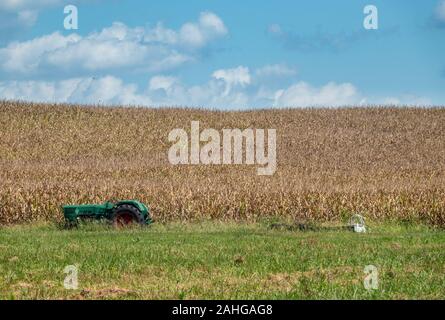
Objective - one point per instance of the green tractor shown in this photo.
(121, 213)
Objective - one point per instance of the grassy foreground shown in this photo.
(217, 260)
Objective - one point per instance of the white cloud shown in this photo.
(109, 90)
(105, 90)
(239, 76)
(191, 35)
(276, 70)
(303, 94)
(27, 17)
(24, 13)
(212, 94)
(27, 57)
(227, 89)
(197, 34)
(18, 5)
(405, 100)
(162, 82)
(440, 11)
(211, 24)
(38, 91)
(163, 90)
(115, 47)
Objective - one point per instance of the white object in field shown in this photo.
(357, 222)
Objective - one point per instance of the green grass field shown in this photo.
(213, 260)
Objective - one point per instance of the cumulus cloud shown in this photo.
(18, 5)
(162, 83)
(405, 100)
(105, 90)
(191, 35)
(115, 47)
(226, 89)
(239, 76)
(212, 94)
(275, 70)
(27, 17)
(198, 34)
(109, 90)
(164, 90)
(16, 15)
(28, 56)
(331, 94)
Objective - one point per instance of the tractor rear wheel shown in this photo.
(127, 215)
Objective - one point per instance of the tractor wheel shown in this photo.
(127, 215)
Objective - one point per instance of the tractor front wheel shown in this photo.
(127, 215)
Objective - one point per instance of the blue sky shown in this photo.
(223, 54)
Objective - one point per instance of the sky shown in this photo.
(224, 54)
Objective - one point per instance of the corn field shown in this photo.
(386, 163)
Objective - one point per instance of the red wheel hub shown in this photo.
(124, 219)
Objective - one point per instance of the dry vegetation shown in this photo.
(384, 162)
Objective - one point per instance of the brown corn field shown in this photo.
(386, 163)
